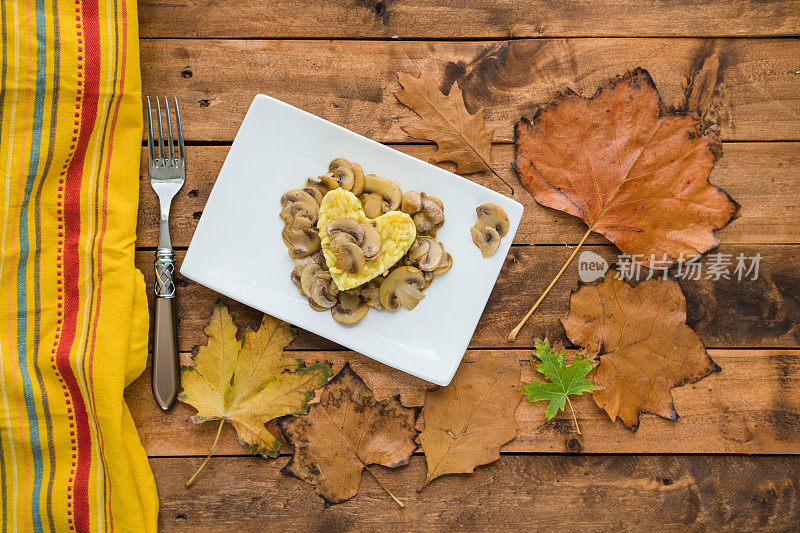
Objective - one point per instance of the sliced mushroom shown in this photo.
(373, 204)
(411, 203)
(492, 215)
(433, 258)
(419, 249)
(307, 278)
(298, 202)
(346, 225)
(402, 287)
(445, 265)
(341, 177)
(390, 193)
(486, 239)
(491, 227)
(371, 247)
(358, 179)
(324, 292)
(301, 238)
(370, 292)
(362, 234)
(315, 258)
(349, 308)
(430, 216)
(349, 258)
(316, 189)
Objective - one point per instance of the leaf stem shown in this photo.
(574, 418)
(397, 501)
(493, 171)
(213, 446)
(514, 332)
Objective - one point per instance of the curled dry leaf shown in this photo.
(635, 176)
(462, 138)
(344, 433)
(248, 382)
(468, 421)
(646, 348)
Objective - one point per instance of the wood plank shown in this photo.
(745, 171)
(752, 406)
(726, 313)
(751, 88)
(557, 493)
(444, 19)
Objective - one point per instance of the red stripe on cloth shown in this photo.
(88, 37)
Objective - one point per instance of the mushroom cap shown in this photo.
(486, 239)
(411, 203)
(350, 258)
(402, 287)
(372, 204)
(492, 215)
(349, 308)
(301, 241)
(388, 190)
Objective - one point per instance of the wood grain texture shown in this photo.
(444, 19)
(745, 171)
(750, 88)
(531, 493)
(752, 406)
(725, 313)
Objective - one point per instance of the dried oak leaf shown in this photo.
(646, 348)
(468, 421)
(249, 382)
(635, 176)
(461, 138)
(344, 433)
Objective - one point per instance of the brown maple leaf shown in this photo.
(344, 433)
(646, 348)
(468, 421)
(461, 137)
(635, 176)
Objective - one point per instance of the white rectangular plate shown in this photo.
(237, 248)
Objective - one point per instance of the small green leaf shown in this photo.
(564, 380)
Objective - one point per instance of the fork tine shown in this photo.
(160, 134)
(171, 151)
(151, 150)
(180, 131)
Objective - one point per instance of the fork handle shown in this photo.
(166, 373)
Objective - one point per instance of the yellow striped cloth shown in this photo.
(73, 312)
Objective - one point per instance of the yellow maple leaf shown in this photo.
(248, 382)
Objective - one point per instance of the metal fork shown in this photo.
(167, 174)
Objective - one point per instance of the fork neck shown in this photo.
(163, 231)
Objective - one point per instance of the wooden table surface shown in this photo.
(730, 461)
